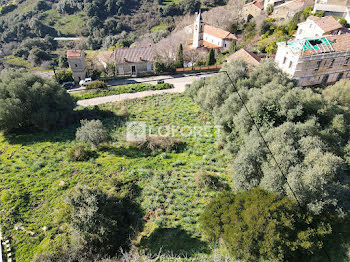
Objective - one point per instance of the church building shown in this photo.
(206, 36)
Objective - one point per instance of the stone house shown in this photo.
(252, 9)
(288, 9)
(132, 61)
(76, 61)
(315, 27)
(315, 61)
(339, 8)
(129, 61)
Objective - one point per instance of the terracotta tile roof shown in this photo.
(258, 5)
(292, 5)
(133, 55)
(327, 24)
(74, 53)
(338, 43)
(247, 56)
(210, 45)
(220, 33)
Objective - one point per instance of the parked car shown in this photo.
(68, 85)
(160, 82)
(85, 82)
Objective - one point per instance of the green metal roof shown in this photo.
(309, 44)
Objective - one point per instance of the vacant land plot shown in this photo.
(36, 175)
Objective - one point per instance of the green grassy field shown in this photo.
(36, 175)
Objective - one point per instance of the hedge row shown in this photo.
(122, 89)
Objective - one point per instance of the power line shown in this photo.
(275, 160)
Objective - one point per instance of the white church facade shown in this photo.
(206, 36)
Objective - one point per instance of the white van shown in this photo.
(85, 82)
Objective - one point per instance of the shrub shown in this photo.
(122, 89)
(64, 76)
(205, 180)
(97, 85)
(257, 225)
(28, 101)
(101, 223)
(79, 153)
(160, 143)
(92, 132)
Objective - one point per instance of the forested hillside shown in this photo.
(96, 19)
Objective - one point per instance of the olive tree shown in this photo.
(257, 224)
(92, 132)
(30, 102)
(339, 92)
(101, 223)
(306, 133)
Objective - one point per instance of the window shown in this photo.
(225, 45)
(340, 76)
(290, 64)
(284, 60)
(318, 65)
(76, 65)
(325, 79)
(347, 61)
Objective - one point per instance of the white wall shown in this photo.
(286, 60)
(213, 40)
(308, 29)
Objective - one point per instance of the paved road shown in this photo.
(179, 82)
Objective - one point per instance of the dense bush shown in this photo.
(116, 90)
(160, 67)
(64, 76)
(306, 133)
(101, 223)
(28, 102)
(92, 132)
(256, 224)
(97, 85)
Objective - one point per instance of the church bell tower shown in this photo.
(198, 31)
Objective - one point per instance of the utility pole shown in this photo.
(0, 246)
(54, 71)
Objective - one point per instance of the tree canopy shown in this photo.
(257, 224)
(28, 102)
(306, 133)
(101, 223)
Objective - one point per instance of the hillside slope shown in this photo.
(96, 19)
